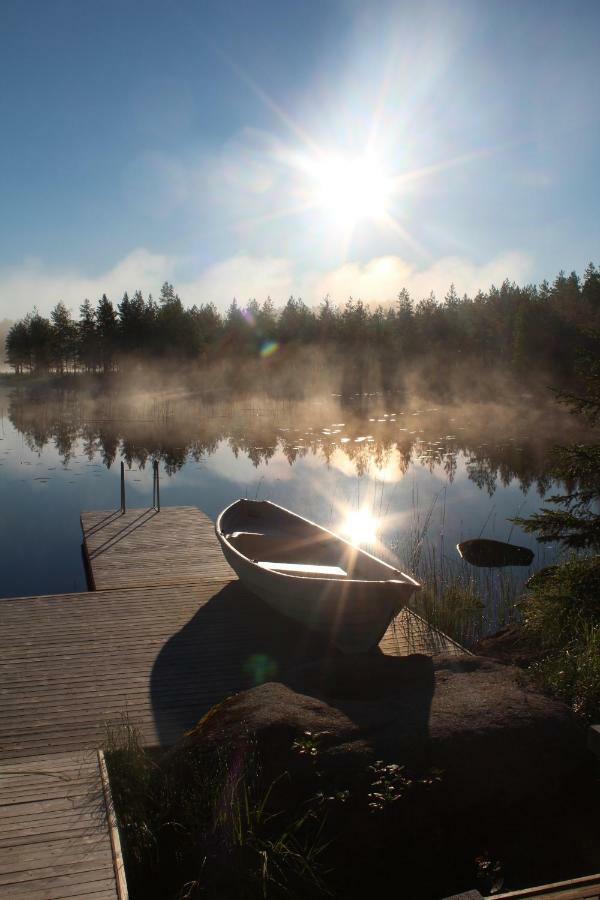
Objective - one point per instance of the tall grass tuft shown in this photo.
(464, 602)
(203, 825)
(562, 612)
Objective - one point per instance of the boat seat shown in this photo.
(257, 545)
(304, 569)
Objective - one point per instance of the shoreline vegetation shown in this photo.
(526, 332)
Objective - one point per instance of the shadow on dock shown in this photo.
(235, 642)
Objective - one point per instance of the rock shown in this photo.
(497, 741)
(512, 645)
(515, 772)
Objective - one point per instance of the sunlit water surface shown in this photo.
(370, 466)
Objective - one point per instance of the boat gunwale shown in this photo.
(410, 581)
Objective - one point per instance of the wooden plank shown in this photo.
(115, 840)
(145, 547)
(58, 847)
(584, 888)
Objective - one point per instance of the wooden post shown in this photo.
(157, 485)
(122, 488)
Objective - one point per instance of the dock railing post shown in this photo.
(122, 488)
(156, 486)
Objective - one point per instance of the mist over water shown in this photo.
(439, 473)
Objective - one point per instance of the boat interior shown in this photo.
(291, 545)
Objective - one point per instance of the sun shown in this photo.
(360, 527)
(350, 189)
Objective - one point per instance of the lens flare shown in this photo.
(269, 348)
(360, 527)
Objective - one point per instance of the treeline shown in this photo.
(510, 327)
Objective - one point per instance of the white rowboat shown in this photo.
(311, 575)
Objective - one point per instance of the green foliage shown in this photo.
(390, 783)
(453, 602)
(562, 611)
(577, 523)
(198, 825)
(202, 823)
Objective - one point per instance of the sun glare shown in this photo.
(350, 189)
(360, 527)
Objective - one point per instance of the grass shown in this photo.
(203, 823)
(464, 602)
(561, 611)
(199, 826)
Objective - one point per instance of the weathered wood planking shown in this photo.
(584, 888)
(162, 656)
(54, 838)
(144, 547)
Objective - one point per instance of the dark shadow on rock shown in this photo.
(465, 714)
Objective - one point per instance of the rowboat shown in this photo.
(311, 575)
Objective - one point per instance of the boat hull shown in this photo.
(353, 613)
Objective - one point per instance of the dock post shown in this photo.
(156, 486)
(122, 488)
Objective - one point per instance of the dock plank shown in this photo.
(45, 853)
(147, 547)
(161, 656)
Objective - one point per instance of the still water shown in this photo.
(379, 469)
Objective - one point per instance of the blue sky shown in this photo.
(195, 142)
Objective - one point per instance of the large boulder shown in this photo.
(495, 739)
(492, 763)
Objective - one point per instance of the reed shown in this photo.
(464, 602)
(203, 825)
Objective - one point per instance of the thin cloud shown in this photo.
(245, 276)
(34, 284)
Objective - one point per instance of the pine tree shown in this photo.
(576, 523)
(108, 329)
(87, 349)
(18, 346)
(63, 350)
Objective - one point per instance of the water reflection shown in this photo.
(360, 436)
(421, 472)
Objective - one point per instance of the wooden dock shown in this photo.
(54, 838)
(145, 547)
(169, 632)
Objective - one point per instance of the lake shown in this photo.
(383, 469)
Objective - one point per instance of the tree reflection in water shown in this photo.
(364, 434)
